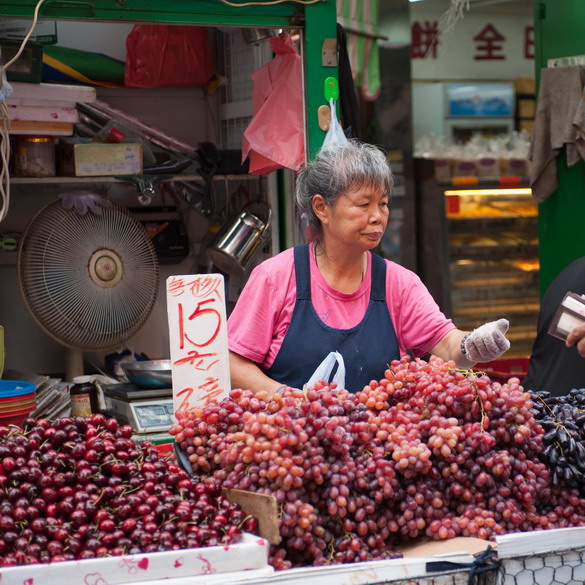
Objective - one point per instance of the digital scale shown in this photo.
(149, 411)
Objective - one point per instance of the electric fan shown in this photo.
(90, 281)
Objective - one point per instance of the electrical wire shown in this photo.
(5, 124)
(272, 3)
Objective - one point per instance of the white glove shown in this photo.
(487, 342)
(84, 201)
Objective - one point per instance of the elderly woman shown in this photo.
(334, 294)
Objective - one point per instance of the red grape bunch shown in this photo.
(428, 450)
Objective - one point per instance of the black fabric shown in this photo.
(367, 348)
(348, 101)
(554, 367)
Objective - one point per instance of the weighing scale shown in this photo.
(149, 411)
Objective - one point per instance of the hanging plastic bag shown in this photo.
(275, 138)
(160, 55)
(325, 368)
(335, 134)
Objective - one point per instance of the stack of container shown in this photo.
(17, 401)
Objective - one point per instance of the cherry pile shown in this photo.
(428, 450)
(82, 488)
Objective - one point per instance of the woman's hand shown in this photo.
(486, 343)
(577, 337)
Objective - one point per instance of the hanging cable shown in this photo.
(5, 124)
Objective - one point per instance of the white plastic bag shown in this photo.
(325, 368)
(335, 134)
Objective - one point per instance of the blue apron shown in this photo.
(367, 348)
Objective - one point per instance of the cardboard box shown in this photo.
(250, 553)
(527, 125)
(94, 159)
(488, 167)
(525, 86)
(443, 168)
(91, 159)
(465, 168)
(526, 108)
(515, 167)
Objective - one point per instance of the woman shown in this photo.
(333, 294)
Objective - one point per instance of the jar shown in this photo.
(35, 156)
(84, 397)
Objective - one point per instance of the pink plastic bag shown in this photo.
(275, 138)
(167, 55)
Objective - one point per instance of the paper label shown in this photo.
(80, 405)
(198, 339)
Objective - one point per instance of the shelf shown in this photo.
(110, 179)
(494, 223)
(505, 251)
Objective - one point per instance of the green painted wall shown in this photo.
(560, 32)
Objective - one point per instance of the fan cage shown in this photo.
(56, 269)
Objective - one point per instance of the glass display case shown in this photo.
(477, 253)
(493, 261)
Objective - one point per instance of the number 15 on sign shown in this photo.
(198, 339)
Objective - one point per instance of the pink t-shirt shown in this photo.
(262, 315)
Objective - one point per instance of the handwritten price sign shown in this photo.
(198, 339)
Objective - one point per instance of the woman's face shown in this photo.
(358, 218)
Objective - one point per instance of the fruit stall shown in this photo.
(431, 474)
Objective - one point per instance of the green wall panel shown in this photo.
(206, 12)
(560, 32)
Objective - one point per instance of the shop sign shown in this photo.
(489, 42)
(198, 339)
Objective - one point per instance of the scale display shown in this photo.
(150, 416)
(146, 416)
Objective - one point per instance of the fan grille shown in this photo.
(90, 281)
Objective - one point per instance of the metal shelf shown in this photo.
(110, 179)
(504, 251)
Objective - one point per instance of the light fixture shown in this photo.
(463, 192)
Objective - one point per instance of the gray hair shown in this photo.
(340, 169)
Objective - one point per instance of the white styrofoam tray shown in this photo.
(250, 553)
(251, 577)
(392, 570)
(519, 544)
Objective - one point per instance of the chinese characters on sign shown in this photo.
(198, 339)
(424, 40)
(490, 44)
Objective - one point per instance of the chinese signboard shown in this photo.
(483, 45)
(489, 43)
(198, 339)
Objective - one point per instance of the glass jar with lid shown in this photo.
(35, 156)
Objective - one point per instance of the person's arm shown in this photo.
(577, 337)
(245, 374)
(449, 348)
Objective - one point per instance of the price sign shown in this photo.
(198, 339)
